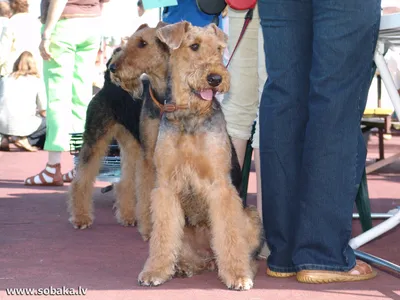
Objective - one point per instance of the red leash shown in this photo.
(247, 19)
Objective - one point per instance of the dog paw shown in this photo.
(144, 233)
(145, 237)
(153, 278)
(126, 219)
(211, 265)
(183, 271)
(251, 210)
(81, 222)
(239, 283)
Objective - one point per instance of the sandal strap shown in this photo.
(51, 175)
(41, 178)
(68, 177)
(52, 166)
(31, 179)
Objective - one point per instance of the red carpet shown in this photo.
(39, 248)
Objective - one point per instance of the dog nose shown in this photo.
(214, 79)
(113, 68)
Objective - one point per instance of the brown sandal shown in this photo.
(50, 176)
(280, 274)
(362, 271)
(68, 177)
(24, 144)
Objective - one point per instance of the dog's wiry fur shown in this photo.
(145, 171)
(115, 112)
(197, 256)
(143, 53)
(194, 203)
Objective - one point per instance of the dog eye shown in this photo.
(194, 47)
(142, 44)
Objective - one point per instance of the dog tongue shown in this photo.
(207, 94)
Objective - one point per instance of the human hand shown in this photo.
(44, 49)
(43, 113)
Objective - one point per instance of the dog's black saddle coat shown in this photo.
(110, 105)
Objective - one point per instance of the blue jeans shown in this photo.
(319, 56)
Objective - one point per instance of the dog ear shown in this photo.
(172, 35)
(161, 24)
(218, 32)
(142, 26)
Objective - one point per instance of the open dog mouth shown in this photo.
(207, 94)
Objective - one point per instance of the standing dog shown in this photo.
(114, 112)
(193, 163)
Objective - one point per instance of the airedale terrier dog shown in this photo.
(115, 113)
(152, 110)
(193, 162)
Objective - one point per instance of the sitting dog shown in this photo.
(115, 113)
(194, 194)
(152, 110)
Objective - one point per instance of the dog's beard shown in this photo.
(202, 89)
(133, 87)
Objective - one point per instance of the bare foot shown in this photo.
(23, 143)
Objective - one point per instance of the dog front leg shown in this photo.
(80, 203)
(254, 234)
(166, 237)
(125, 188)
(228, 237)
(145, 179)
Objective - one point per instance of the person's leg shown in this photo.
(83, 75)
(240, 104)
(57, 75)
(345, 34)
(58, 81)
(37, 138)
(262, 77)
(287, 31)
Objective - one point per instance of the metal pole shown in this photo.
(376, 260)
(375, 216)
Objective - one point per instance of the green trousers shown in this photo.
(68, 78)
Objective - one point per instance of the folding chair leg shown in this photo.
(387, 80)
(376, 260)
(381, 144)
(363, 204)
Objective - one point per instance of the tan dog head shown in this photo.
(196, 61)
(142, 53)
